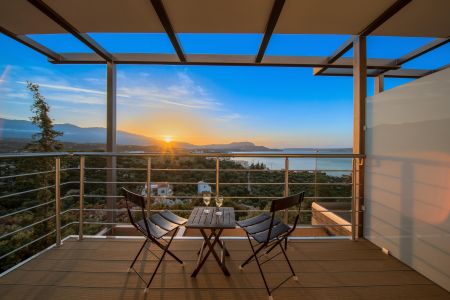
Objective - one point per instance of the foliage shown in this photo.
(45, 140)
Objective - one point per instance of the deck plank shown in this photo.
(329, 269)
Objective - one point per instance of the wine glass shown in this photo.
(219, 202)
(206, 200)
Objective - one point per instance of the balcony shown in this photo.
(331, 269)
(366, 226)
(80, 243)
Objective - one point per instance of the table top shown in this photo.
(200, 219)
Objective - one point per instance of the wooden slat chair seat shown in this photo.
(154, 228)
(270, 232)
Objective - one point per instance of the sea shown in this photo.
(330, 166)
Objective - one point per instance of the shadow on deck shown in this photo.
(329, 269)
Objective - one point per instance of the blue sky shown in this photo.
(279, 107)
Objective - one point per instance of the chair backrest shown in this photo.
(285, 203)
(138, 200)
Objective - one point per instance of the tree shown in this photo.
(45, 140)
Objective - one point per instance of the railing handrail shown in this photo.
(34, 154)
(182, 154)
(216, 156)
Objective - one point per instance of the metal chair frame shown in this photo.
(149, 237)
(272, 241)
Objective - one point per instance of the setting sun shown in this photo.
(167, 139)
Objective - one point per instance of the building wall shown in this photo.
(407, 177)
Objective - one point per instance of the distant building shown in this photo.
(160, 189)
(203, 187)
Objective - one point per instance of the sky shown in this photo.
(270, 106)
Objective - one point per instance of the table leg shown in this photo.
(221, 243)
(211, 250)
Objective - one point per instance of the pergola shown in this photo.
(358, 18)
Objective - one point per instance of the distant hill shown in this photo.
(21, 131)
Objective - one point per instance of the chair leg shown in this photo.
(166, 250)
(137, 255)
(259, 266)
(289, 263)
(251, 256)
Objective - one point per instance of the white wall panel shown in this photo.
(407, 189)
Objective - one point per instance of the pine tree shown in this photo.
(45, 140)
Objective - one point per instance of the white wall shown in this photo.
(407, 188)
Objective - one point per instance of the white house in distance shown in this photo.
(203, 187)
(159, 189)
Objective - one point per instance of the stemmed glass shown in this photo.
(206, 200)
(219, 202)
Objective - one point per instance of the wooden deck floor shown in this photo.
(332, 269)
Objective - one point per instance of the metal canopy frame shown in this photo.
(324, 66)
(360, 67)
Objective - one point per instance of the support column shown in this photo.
(111, 128)
(379, 84)
(359, 125)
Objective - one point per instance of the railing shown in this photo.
(217, 167)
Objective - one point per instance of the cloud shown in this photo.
(71, 89)
(230, 117)
(17, 95)
(76, 98)
(183, 94)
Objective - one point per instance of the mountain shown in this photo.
(21, 130)
(235, 146)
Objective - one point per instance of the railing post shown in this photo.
(81, 218)
(58, 200)
(217, 176)
(353, 216)
(315, 178)
(149, 184)
(286, 186)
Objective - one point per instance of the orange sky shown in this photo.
(190, 127)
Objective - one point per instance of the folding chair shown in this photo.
(154, 228)
(269, 232)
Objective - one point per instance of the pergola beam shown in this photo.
(273, 19)
(337, 54)
(83, 37)
(439, 69)
(436, 43)
(386, 15)
(220, 60)
(165, 22)
(398, 73)
(23, 39)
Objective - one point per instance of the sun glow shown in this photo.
(167, 139)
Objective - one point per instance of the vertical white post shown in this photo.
(217, 176)
(286, 186)
(58, 200)
(149, 183)
(81, 218)
(315, 178)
